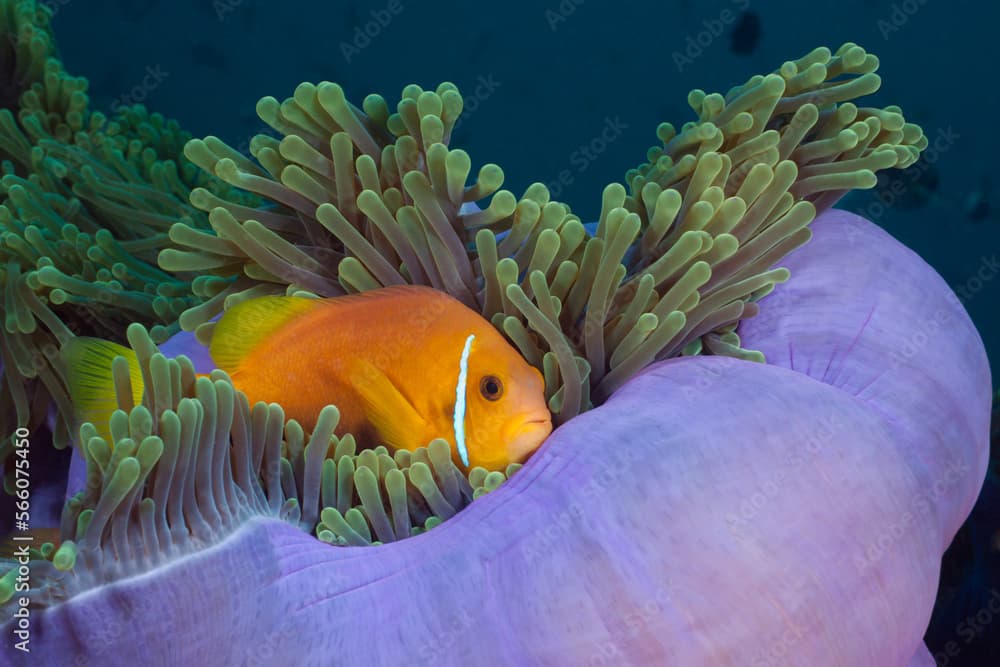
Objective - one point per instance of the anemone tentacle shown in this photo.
(86, 203)
(195, 461)
(365, 198)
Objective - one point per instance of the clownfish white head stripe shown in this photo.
(463, 376)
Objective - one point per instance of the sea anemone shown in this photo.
(854, 452)
(848, 470)
(365, 199)
(26, 53)
(85, 205)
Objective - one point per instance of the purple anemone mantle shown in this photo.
(712, 512)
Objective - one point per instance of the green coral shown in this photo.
(364, 198)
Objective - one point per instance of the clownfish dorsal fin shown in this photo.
(398, 423)
(246, 325)
(386, 293)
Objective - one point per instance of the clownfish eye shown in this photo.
(491, 387)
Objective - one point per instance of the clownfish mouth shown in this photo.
(528, 436)
(534, 421)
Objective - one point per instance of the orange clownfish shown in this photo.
(404, 365)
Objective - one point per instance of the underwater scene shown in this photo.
(558, 333)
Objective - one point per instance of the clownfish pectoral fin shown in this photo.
(398, 423)
(91, 382)
(247, 324)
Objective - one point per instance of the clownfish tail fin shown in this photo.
(91, 367)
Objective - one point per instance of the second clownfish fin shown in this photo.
(398, 423)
